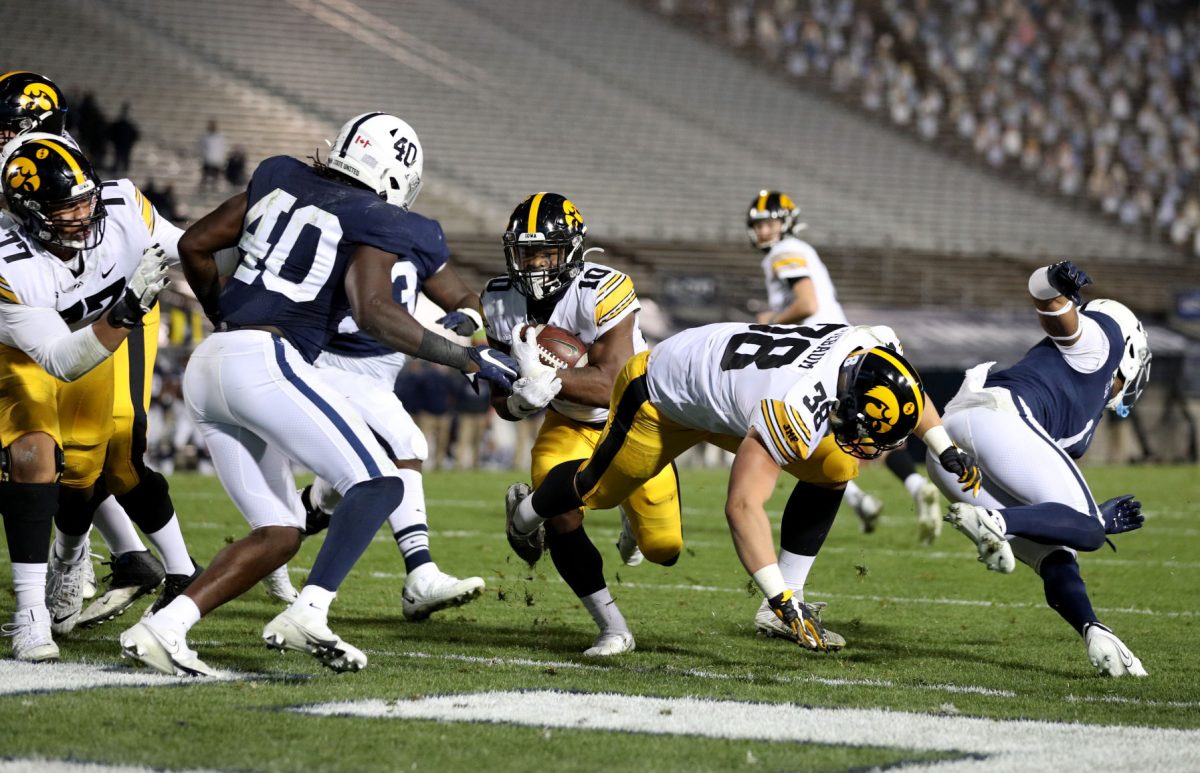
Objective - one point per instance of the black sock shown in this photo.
(1066, 592)
(557, 494)
(28, 510)
(74, 513)
(900, 462)
(808, 517)
(577, 561)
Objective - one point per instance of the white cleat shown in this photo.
(304, 629)
(88, 580)
(164, 652)
(611, 643)
(279, 586)
(30, 632)
(768, 624)
(1109, 654)
(929, 515)
(627, 545)
(986, 529)
(64, 592)
(868, 509)
(429, 591)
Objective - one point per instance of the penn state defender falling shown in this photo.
(365, 372)
(800, 292)
(79, 269)
(1027, 424)
(809, 400)
(550, 282)
(314, 240)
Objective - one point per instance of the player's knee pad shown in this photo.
(7, 464)
(149, 502)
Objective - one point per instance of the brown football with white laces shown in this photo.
(560, 348)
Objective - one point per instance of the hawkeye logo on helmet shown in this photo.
(38, 96)
(23, 175)
(883, 408)
(573, 218)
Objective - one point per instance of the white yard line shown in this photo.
(992, 745)
(17, 677)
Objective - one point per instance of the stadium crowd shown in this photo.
(1095, 99)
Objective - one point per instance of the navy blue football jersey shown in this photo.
(1068, 404)
(426, 257)
(299, 233)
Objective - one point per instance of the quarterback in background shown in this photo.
(550, 282)
(800, 292)
(1027, 424)
(810, 400)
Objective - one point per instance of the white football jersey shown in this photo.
(792, 259)
(83, 288)
(779, 379)
(595, 302)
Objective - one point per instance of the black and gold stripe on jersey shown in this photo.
(143, 205)
(7, 294)
(788, 433)
(613, 297)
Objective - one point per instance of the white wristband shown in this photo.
(474, 315)
(937, 439)
(515, 407)
(770, 580)
(1039, 285)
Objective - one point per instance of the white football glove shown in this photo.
(525, 351)
(142, 291)
(532, 394)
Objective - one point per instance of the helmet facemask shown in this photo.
(879, 403)
(562, 264)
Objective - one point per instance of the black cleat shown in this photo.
(134, 574)
(174, 585)
(316, 520)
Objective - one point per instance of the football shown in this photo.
(560, 348)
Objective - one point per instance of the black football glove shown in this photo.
(1122, 514)
(959, 463)
(1068, 278)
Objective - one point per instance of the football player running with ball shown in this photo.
(550, 282)
(1027, 424)
(808, 400)
(313, 240)
(800, 292)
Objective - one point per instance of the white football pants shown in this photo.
(259, 405)
(1021, 465)
(371, 390)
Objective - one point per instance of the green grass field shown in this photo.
(929, 631)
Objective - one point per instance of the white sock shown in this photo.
(179, 616)
(795, 569)
(324, 496)
(116, 528)
(410, 521)
(29, 585)
(526, 519)
(914, 483)
(69, 547)
(603, 609)
(168, 541)
(316, 597)
(854, 495)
